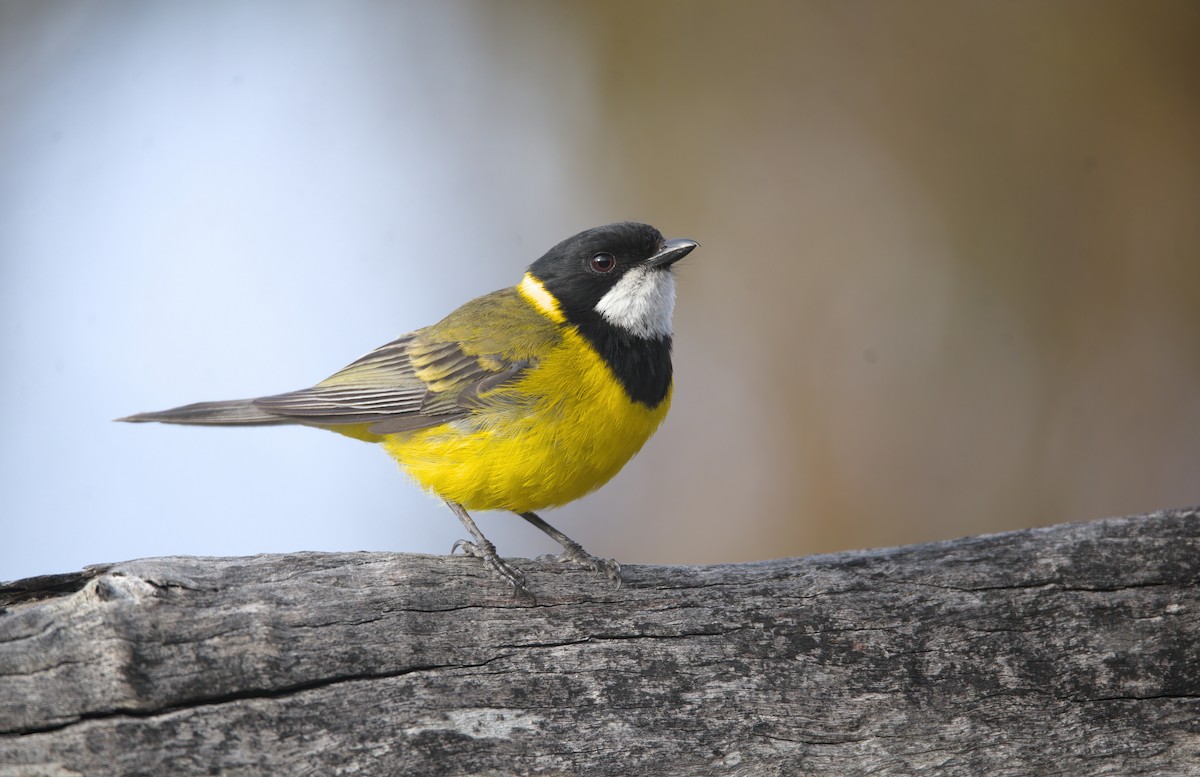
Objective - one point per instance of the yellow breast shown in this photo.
(566, 428)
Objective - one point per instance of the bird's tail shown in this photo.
(234, 412)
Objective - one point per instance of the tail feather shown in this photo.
(234, 412)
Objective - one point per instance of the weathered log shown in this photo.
(1068, 650)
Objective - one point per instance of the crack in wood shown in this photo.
(956, 657)
(246, 695)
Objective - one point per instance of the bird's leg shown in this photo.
(573, 552)
(483, 548)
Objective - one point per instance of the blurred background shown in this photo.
(949, 280)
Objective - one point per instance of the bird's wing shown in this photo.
(429, 377)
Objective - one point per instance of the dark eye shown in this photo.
(603, 263)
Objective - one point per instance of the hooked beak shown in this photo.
(672, 251)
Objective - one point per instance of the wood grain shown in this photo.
(1068, 650)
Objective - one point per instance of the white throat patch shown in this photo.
(641, 303)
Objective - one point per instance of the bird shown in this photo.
(521, 400)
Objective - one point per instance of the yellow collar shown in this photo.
(535, 292)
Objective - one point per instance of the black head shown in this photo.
(620, 273)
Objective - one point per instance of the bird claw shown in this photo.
(487, 552)
(578, 556)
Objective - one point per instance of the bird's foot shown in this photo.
(574, 553)
(487, 552)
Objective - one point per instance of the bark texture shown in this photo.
(1068, 650)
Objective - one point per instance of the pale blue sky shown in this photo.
(217, 200)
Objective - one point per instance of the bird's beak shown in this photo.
(671, 252)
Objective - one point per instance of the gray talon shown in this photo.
(574, 554)
(482, 548)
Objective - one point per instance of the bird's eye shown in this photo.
(603, 263)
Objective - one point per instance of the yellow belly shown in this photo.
(570, 432)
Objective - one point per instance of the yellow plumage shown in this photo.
(581, 431)
(558, 432)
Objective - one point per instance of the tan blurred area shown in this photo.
(949, 280)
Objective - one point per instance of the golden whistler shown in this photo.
(520, 400)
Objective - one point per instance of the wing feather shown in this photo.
(428, 377)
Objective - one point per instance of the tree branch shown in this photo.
(1072, 650)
